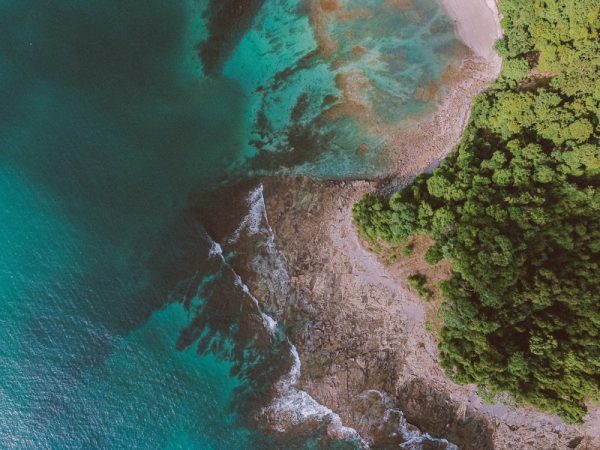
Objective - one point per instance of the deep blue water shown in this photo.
(112, 114)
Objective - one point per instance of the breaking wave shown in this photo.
(291, 407)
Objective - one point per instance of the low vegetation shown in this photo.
(516, 209)
(418, 282)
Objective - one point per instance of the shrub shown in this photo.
(516, 210)
(418, 282)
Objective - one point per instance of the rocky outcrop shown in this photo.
(359, 330)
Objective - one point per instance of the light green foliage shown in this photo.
(517, 210)
(515, 69)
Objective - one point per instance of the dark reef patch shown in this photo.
(228, 22)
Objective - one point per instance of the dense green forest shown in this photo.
(516, 208)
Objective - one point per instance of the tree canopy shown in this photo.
(516, 208)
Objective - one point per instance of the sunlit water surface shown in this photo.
(112, 113)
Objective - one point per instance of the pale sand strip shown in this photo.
(477, 24)
(422, 141)
(425, 141)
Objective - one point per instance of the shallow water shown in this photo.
(113, 113)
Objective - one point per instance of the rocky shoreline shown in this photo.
(362, 336)
(359, 329)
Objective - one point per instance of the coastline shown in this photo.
(423, 141)
(361, 329)
(477, 24)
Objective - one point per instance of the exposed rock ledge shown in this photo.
(361, 335)
(357, 328)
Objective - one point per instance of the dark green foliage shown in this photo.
(517, 210)
(418, 282)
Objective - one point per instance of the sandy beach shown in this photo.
(477, 24)
(423, 141)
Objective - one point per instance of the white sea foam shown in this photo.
(294, 407)
(268, 262)
(269, 323)
(413, 439)
(215, 250)
(245, 289)
(256, 214)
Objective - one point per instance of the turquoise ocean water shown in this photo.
(113, 112)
